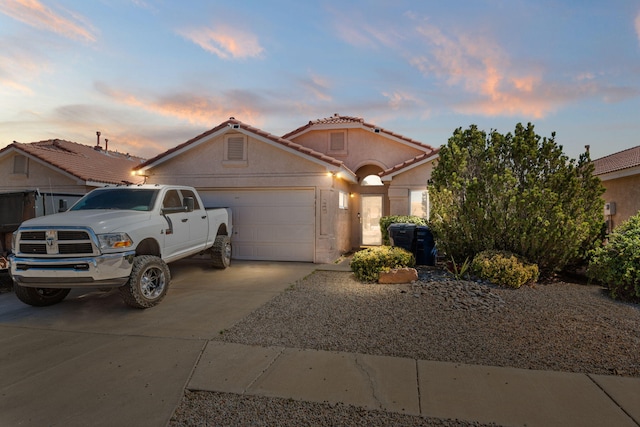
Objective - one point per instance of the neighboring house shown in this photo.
(48, 172)
(620, 175)
(310, 195)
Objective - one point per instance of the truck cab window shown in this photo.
(171, 200)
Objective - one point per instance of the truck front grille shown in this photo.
(33, 235)
(67, 242)
(72, 235)
(33, 248)
(75, 248)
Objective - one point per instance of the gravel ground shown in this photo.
(559, 326)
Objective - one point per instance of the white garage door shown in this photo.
(273, 225)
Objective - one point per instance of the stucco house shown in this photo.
(310, 195)
(51, 171)
(620, 176)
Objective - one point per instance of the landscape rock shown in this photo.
(399, 275)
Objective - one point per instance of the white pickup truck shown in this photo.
(120, 237)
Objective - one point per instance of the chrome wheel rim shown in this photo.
(152, 283)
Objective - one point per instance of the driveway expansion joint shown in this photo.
(273, 361)
(613, 399)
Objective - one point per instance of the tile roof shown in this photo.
(233, 122)
(614, 162)
(337, 119)
(82, 161)
(407, 164)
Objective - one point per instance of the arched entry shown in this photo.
(372, 194)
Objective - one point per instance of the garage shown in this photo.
(269, 224)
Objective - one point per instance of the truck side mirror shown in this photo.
(188, 204)
(62, 205)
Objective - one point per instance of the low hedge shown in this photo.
(504, 268)
(368, 263)
(617, 263)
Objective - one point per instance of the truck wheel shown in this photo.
(148, 282)
(40, 297)
(221, 252)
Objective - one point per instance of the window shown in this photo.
(235, 150)
(20, 164)
(419, 203)
(343, 200)
(372, 180)
(172, 200)
(338, 143)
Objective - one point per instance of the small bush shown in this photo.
(617, 264)
(386, 221)
(368, 263)
(504, 269)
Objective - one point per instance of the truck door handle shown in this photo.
(203, 217)
(185, 220)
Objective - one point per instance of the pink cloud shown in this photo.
(196, 109)
(485, 72)
(36, 14)
(637, 25)
(225, 42)
(17, 67)
(318, 86)
(358, 31)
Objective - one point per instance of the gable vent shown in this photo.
(235, 148)
(337, 141)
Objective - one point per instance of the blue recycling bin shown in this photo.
(425, 245)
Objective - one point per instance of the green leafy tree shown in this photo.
(516, 192)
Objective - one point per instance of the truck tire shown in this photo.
(148, 282)
(40, 297)
(221, 252)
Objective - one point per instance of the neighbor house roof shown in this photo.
(355, 122)
(240, 126)
(618, 161)
(86, 163)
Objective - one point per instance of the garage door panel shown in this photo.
(270, 214)
(291, 252)
(270, 224)
(282, 234)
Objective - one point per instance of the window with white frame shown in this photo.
(343, 200)
(20, 164)
(235, 150)
(419, 203)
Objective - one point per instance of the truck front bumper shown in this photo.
(110, 270)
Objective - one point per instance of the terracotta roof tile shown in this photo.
(337, 119)
(278, 140)
(407, 163)
(82, 161)
(614, 162)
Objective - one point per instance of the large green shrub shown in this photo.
(504, 269)
(386, 221)
(515, 192)
(368, 263)
(617, 263)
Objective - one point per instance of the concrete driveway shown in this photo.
(91, 360)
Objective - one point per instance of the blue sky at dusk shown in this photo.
(152, 74)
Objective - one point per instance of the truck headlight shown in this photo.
(114, 240)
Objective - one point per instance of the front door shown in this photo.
(370, 219)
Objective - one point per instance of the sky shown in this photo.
(150, 75)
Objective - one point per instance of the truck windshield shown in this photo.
(137, 199)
